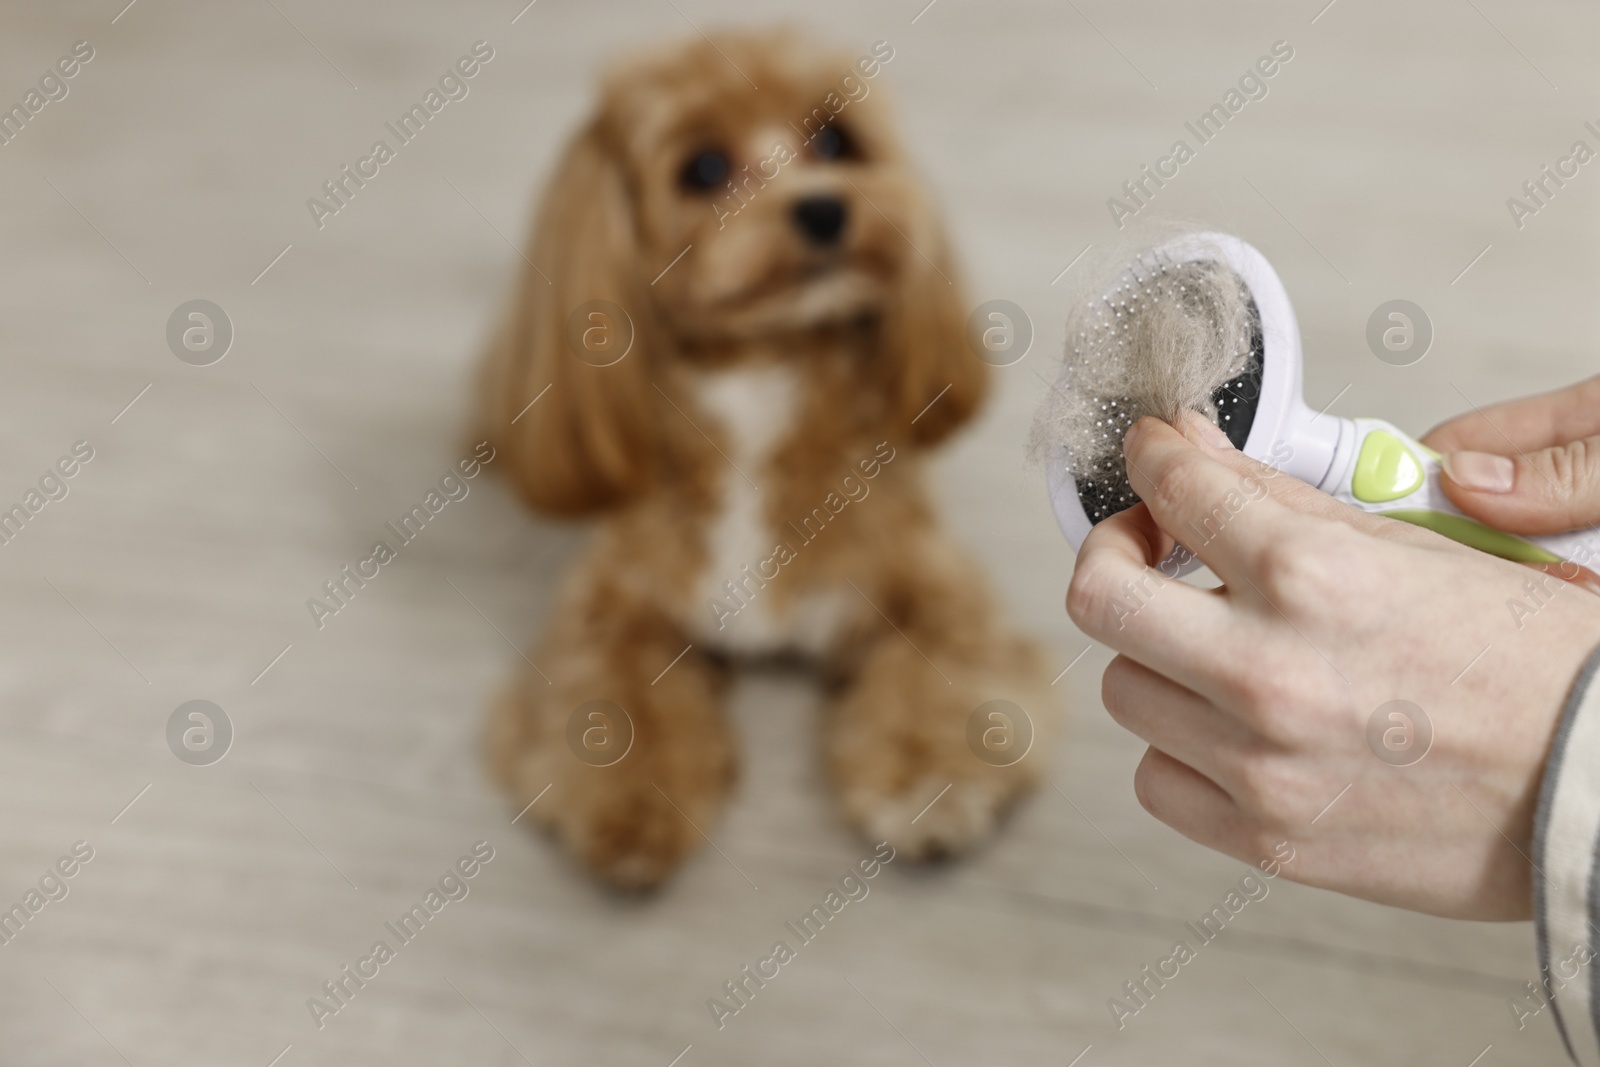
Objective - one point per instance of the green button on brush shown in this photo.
(1385, 469)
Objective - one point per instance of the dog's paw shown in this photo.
(630, 838)
(933, 820)
(623, 831)
(627, 815)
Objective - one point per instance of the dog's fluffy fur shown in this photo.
(764, 370)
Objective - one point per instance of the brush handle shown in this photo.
(1380, 469)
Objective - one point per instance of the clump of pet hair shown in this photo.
(1155, 336)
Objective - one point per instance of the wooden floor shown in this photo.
(221, 898)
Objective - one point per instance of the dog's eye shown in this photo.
(834, 142)
(705, 169)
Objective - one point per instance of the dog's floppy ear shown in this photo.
(935, 381)
(587, 441)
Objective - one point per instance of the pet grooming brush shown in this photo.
(1203, 323)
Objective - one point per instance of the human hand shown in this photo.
(1255, 698)
(1530, 466)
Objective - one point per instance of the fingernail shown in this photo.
(1480, 471)
(1208, 432)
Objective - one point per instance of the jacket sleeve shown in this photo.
(1566, 860)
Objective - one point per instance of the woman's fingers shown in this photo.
(1525, 425)
(1528, 466)
(1222, 515)
(1175, 720)
(1193, 805)
(1217, 503)
(1547, 490)
(1119, 598)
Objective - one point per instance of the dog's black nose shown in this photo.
(820, 218)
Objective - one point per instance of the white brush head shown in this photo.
(1198, 323)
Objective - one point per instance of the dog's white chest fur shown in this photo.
(755, 410)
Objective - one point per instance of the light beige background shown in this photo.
(1378, 167)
